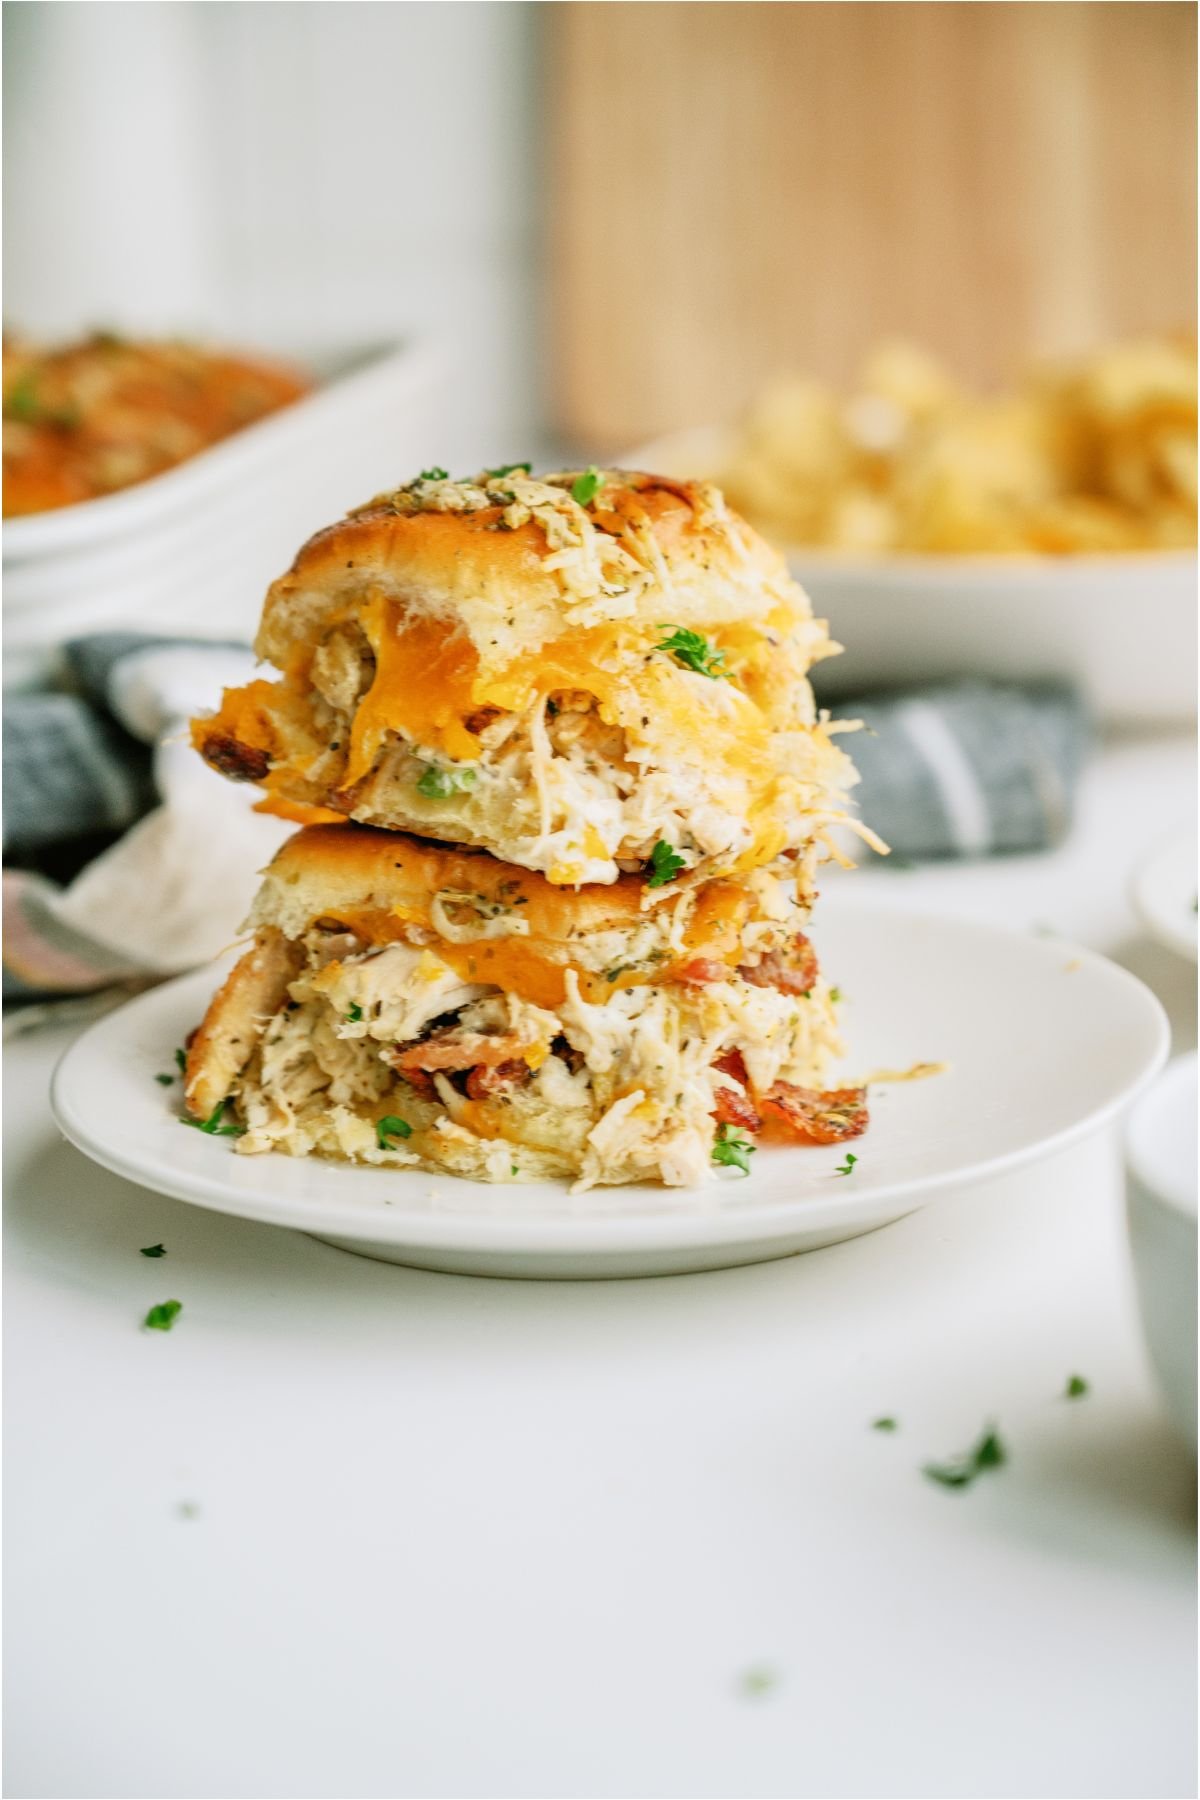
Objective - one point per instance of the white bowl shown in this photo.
(1164, 893)
(1122, 629)
(191, 551)
(1160, 1158)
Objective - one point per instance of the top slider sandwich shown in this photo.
(586, 675)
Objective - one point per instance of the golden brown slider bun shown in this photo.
(565, 682)
(509, 1025)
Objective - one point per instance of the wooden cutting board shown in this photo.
(740, 188)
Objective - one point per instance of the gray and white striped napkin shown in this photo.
(968, 769)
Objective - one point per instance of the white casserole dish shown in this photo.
(192, 551)
(1122, 629)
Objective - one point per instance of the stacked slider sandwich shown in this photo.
(563, 934)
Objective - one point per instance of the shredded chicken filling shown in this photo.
(630, 1086)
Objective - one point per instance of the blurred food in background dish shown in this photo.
(86, 419)
(1092, 456)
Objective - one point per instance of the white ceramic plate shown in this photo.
(1044, 1043)
(1120, 628)
(1164, 893)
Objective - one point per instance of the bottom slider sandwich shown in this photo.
(408, 1004)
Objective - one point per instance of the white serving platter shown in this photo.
(192, 551)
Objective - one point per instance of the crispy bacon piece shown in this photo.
(483, 1082)
(792, 971)
(417, 1078)
(730, 1062)
(818, 1117)
(702, 969)
(732, 1107)
(240, 762)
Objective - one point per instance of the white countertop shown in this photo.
(353, 1530)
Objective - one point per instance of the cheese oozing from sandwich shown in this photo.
(569, 684)
(407, 1004)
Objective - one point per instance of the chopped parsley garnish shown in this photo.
(439, 783)
(152, 1250)
(21, 401)
(163, 1316)
(585, 487)
(434, 474)
(835, 994)
(847, 1167)
(391, 1127)
(213, 1124)
(1076, 1388)
(665, 865)
(509, 469)
(754, 1683)
(733, 1149)
(884, 1424)
(354, 1016)
(181, 1061)
(988, 1453)
(165, 1080)
(692, 650)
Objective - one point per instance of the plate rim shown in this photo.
(695, 1227)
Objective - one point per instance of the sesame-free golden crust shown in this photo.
(229, 1032)
(336, 870)
(469, 569)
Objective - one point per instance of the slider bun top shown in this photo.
(515, 563)
(565, 672)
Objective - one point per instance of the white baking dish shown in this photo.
(192, 551)
(1122, 629)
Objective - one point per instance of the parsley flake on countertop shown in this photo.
(847, 1168)
(153, 1250)
(585, 487)
(181, 1061)
(755, 1682)
(213, 1124)
(665, 865)
(988, 1453)
(733, 1149)
(439, 783)
(165, 1080)
(163, 1316)
(391, 1127)
(692, 650)
(885, 1424)
(1076, 1388)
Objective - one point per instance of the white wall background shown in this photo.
(288, 175)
